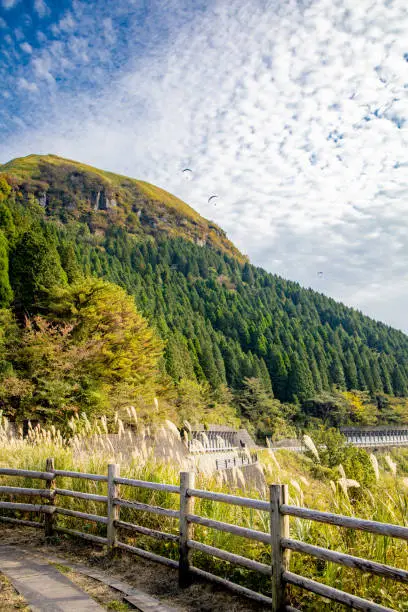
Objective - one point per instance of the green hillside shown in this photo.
(238, 342)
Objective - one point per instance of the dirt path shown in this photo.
(98, 584)
(151, 578)
(43, 587)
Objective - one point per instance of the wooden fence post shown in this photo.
(280, 558)
(49, 484)
(187, 481)
(113, 510)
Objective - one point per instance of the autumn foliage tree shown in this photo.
(90, 348)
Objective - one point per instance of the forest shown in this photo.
(106, 307)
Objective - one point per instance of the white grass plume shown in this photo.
(391, 464)
(374, 463)
(310, 445)
(341, 471)
(274, 459)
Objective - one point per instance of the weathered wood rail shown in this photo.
(278, 537)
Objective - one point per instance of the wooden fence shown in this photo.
(278, 538)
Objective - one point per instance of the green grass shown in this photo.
(29, 167)
(61, 568)
(119, 606)
(385, 501)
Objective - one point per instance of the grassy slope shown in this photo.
(31, 168)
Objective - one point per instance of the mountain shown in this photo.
(71, 191)
(227, 325)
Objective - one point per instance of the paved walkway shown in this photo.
(44, 588)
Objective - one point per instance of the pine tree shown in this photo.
(399, 382)
(247, 274)
(337, 372)
(376, 374)
(6, 293)
(317, 380)
(35, 268)
(279, 372)
(265, 378)
(7, 222)
(366, 371)
(207, 363)
(386, 375)
(350, 371)
(300, 381)
(70, 264)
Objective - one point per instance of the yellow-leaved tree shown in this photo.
(90, 350)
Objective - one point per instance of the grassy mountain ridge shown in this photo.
(233, 333)
(71, 190)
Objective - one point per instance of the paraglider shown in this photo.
(188, 174)
(320, 274)
(212, 198)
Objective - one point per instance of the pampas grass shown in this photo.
(386, 501)
(391, 464)
(374, 463)
(341, 471)
(310, 445)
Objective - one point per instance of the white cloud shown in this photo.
(26, 47)
(66, 24)
(40, 6)
(3, 23)
(293, 116)
(42, 67)
(9, 4)
(27, 85)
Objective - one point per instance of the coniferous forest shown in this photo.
(177, 313)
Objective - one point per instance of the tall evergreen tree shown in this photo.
(279, 372)
(399, 382)
(6, 293)
(35, 268)
(336, 371)
(350, 371)
(386, 375)
(300, 380)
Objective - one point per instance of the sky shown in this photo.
(294, 113)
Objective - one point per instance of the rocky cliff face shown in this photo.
(101, 201)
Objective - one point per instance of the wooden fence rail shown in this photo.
(278, 538)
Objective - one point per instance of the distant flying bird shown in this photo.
(211, 198)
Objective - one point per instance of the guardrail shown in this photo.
(196, 446)
(278, 537)
(361, 440)
(225, 463)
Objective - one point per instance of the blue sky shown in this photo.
(294, 113)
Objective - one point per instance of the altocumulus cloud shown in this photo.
(295, 114)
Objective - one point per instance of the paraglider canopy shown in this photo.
(212, 198)
(187, 173)
(320, 274)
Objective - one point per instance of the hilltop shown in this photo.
(69, 190)
(237, 342)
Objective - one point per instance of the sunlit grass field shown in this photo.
(386, 500)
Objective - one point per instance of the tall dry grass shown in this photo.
(385, 501)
